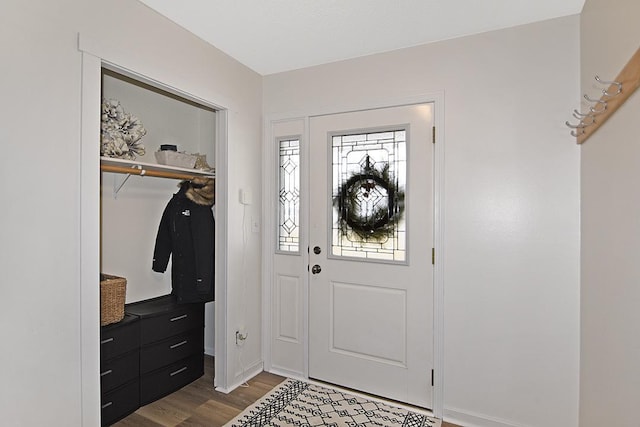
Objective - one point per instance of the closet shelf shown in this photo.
(131, 167)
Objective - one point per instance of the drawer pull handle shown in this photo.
(102, 374)
(106, 341)
(184, 316)
(184, 368)
(106, 405)
(178, 344)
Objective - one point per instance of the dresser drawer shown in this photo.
(157, 384)
(162, 317)
(160, 327)
(119, 338)
(178, 347)
(119, 370)
(120, 402)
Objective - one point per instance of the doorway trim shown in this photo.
(95, 56)
(270, 220)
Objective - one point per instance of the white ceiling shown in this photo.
(270, 36)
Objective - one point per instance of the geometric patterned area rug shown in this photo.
(297, 403)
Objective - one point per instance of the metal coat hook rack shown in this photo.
(598, 107)
(613, 95)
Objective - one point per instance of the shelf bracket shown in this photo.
(119, 183)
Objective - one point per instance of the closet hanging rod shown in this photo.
(145, 172)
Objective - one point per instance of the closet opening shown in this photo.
(157, 229)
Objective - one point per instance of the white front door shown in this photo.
(371, 237)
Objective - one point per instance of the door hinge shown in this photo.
(432, 378)
(433, 256)
(433, 135)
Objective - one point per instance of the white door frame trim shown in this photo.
(95, 56)
(269, 216)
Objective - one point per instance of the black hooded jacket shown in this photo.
(186, 232)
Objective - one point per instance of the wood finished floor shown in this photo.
(198, 404)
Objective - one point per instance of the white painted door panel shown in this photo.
(371, 322)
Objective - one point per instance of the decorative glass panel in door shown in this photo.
(369, 180)
(289, 195)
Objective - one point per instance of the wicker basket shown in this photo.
(113, 290)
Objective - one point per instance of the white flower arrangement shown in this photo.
(120, 132)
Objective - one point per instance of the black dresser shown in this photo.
(171, 345)
(119, 369)
(155, 350)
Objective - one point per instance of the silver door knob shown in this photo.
(316, 269)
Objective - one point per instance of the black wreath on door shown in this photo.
(370, 204)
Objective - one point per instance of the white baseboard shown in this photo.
(469, 419)
(287, 373)
(210, 351)
(249, 373)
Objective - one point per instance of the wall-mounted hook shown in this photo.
(597, 102)
(600, 111)
(577, 134)
(590, 116)
(581, 117)
(607, 83)
(578, 126)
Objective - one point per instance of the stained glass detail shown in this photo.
(368, 185)
(289, 195)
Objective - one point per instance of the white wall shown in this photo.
(511, 207)
(610, 343)
(40, 171)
